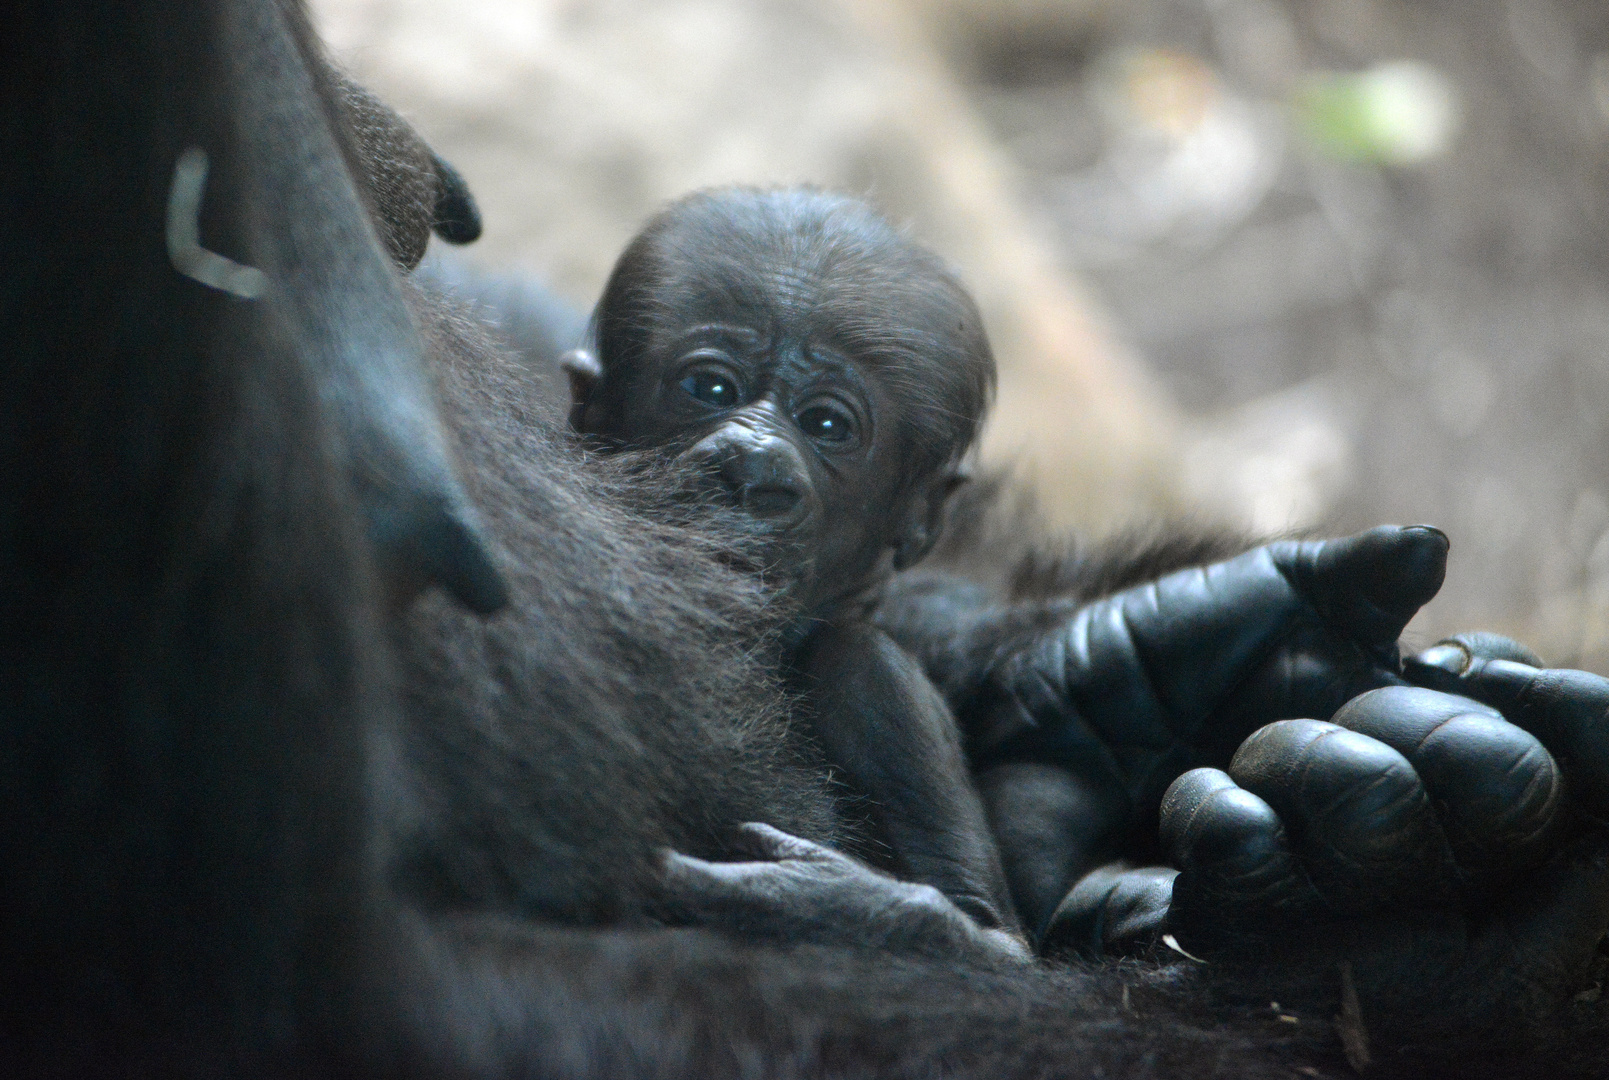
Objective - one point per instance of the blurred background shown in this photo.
(1279, 264)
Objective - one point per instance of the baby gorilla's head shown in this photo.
(830, 373)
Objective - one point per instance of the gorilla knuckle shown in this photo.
(1497, 788)
(1231, 828)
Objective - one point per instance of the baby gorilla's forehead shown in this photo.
(779, 277)
(852, 310)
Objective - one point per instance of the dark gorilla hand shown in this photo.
(1175, 673)
(1082, 731)
(1446, 853)
(1567, 710)
(799, 891)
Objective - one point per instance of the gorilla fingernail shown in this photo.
(1448, 656)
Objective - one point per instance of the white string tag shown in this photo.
(184, 234)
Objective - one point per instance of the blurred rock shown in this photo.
(1010, 39)
(1399, 113)
(1283, 458)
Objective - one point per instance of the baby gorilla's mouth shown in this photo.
(769, 550)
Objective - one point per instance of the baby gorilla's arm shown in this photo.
(797, 891)
(886, 729)
(894, 743)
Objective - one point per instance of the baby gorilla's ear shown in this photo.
(584, 371)
(411, 189)
(924, 519)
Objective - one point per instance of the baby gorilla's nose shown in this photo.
(756, 469)
(760, 483)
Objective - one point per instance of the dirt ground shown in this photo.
(1279, 335)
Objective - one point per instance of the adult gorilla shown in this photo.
(235, 844)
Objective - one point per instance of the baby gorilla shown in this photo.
(831, 375)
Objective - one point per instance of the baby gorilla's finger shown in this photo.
(768, 842)
(1371, 584)
(1567, 710)
(1237, 873)
(1354, 810)
(698, 891)
(1496, 790)
(1111, 911)
(689, 874)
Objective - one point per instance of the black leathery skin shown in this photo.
(1354, 804)
(1496, 789)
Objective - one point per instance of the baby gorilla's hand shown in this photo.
(799, 891)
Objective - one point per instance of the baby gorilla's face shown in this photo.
(827, 371)
(791, 427)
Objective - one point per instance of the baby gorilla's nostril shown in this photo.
(768, 500)
(760, 482)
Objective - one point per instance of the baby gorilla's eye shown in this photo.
(827, 424)
(716, 389)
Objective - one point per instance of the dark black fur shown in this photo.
(212, 777)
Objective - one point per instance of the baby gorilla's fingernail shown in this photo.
(1449, 656)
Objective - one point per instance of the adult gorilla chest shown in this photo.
(611, 711)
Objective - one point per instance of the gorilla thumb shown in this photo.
(1370, 584)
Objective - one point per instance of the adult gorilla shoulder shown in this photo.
(213, 529)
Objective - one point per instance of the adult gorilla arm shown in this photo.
(1079, 714)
